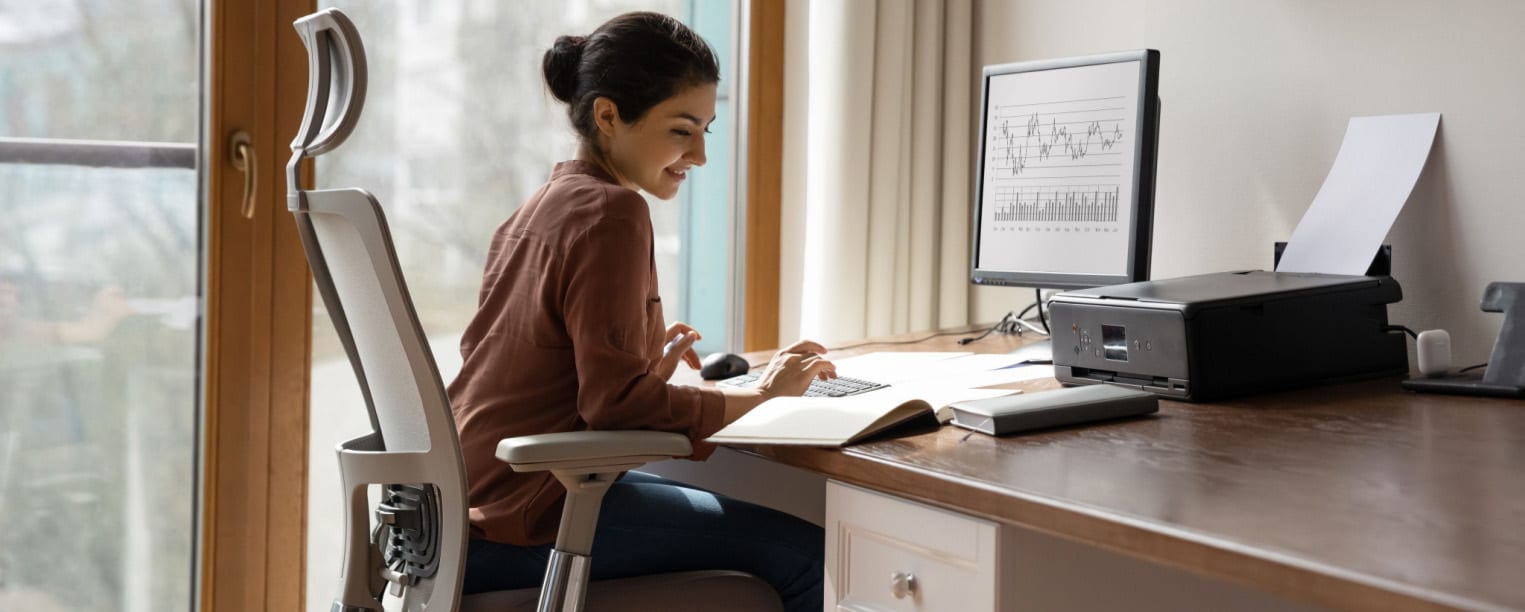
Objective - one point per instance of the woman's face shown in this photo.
(656, 151)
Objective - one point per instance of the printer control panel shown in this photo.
(1112, 343)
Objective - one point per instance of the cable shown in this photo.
(962, 341)
(1011, 323)
(922, 339)
(1004, 324)
(1023, 314)
(1021, 323)
(1416, 337)
(1030, 326)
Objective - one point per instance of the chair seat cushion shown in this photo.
(676, 592)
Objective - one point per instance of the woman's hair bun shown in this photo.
(561, 65)
(635, 60)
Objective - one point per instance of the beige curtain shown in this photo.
(876, 231)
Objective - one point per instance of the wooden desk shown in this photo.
(1350, 496)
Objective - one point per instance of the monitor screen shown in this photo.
(1065, 172)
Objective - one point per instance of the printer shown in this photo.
(1227, 334)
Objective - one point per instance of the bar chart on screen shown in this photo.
(1093, 203)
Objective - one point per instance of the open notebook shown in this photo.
(838, 421)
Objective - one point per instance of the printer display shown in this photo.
(1227, 334)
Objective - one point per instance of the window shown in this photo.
(99, 296)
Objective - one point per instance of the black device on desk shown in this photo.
(1220, 335)
(719, 366)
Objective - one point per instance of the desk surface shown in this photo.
(1354, 496)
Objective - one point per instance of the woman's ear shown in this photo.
(605, 113)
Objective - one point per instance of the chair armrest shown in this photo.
(591, 451)
(587, 463)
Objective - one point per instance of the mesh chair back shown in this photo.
(418, 543)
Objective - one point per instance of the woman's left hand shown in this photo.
(678, 344)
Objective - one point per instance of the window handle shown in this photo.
(242, 153)
(902, 584)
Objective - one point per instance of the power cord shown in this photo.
(1017, 323)
(1415, 336)
(1030, 307)
(888, 342)
(1008, 324)
(1029, 326)
(1012, 323)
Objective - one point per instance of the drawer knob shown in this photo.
(902, 584)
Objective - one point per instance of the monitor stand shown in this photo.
(1040, 352)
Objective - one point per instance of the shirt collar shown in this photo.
(577, 166)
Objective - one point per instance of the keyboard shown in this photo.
(836, 387)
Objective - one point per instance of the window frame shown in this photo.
(253, 468)
(764, 146)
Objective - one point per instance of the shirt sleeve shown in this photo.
(608, 310)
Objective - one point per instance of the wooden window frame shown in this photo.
(258, 317)
(765, 161)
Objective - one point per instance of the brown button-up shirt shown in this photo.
(566, 337)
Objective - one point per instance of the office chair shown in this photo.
(417, 548)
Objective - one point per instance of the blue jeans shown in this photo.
(651, 525)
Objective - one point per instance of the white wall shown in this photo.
(1256, 96)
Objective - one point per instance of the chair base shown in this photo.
(676, 592)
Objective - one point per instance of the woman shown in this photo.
(569, 335)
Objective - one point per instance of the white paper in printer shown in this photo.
(1372, 176)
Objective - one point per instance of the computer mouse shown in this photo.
(717, 366)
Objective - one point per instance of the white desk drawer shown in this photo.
(887, 553)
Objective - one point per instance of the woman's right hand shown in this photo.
(792, 369)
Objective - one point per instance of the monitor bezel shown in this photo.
(1145, 149)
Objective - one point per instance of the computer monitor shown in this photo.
(1064, 189)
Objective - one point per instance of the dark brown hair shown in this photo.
(636, 60)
